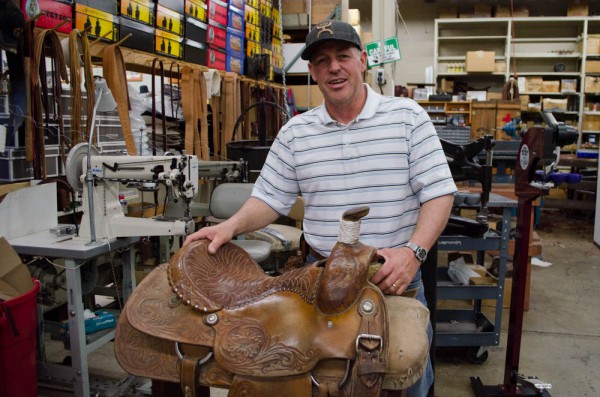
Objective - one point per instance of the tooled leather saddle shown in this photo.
(321, 330)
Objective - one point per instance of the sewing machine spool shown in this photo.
(74, 164)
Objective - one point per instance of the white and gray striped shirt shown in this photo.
(389, 158)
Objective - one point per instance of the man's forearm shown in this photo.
(253, 215)
(433, 218)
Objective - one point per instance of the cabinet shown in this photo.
(470, 327)
(547, 54)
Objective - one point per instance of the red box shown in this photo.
(217, 12)
(216, 59)
(216, 37)
(53, 13)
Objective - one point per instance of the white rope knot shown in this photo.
(349, 232)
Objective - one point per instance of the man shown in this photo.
(358, 148)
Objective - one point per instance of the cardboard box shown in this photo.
(301, 96)
(592, 44)
(168, 44)
(554, 104)
(448, 12)
(196, 9)
(551, 86)
(568, 85)
(15, 278)
(138, 10)
(482, 10)
(534, 84)
(294, 7)
(591, 85)
(500, 67)
(100, 24)
(578, 8)
(480, 61)
(195, 52)
(169, 20)
(591, 123)
(592, 66)
(142, 36)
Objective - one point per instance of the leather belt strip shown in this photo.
(230, 116)
(45, 42)
(162, 107)
(79, 52)
(215, 103)
(189, 108)
(203, 117)
(113, 69)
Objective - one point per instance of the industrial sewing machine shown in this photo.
(178, 173)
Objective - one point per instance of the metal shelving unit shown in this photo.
(471, 327)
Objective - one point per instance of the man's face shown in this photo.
(337, 68)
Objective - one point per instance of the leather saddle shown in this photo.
(320, 330)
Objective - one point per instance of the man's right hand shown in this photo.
(218, 235)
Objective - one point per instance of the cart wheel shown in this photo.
(475, 355)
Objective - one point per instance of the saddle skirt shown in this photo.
(220, 321)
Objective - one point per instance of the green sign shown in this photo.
(391, 52)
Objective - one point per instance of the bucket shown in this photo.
(18, 324)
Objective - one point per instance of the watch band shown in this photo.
(420, 252)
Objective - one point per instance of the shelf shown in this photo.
(530, 47)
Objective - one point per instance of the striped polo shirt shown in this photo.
(389, 158)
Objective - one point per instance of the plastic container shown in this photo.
(18, 366)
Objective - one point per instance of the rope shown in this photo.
(349, 231)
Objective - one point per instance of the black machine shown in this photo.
(535, 176)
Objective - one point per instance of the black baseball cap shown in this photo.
(330, 30)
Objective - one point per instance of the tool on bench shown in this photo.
(536, 163)
(465, 167)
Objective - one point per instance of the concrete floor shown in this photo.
(561, 336)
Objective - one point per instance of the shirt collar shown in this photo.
(368, 110)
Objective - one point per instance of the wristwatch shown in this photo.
(420, 252)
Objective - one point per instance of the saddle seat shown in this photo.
(231, 279)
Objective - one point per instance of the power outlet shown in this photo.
(380, 76)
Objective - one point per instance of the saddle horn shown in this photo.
(347, 267)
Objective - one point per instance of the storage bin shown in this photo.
(18, 365)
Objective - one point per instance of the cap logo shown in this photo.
(323, 28)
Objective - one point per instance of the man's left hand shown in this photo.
(398, 270)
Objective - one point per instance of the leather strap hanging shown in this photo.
(114, 72)
(215, 104)
(203, 112)
(189, 99)
(79, 50)
(162, 107)
(45, 42)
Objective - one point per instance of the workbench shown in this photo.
(75, 253)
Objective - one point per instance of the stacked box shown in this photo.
(53, 14)
(99, 18)
(235, 37)
(196, 9)
(169, 20)
(175, 5)
(141, 11)
(168, 44)
(216, 34)
(136, 18)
